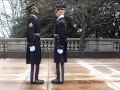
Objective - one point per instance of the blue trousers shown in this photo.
(60, 71)
(34, 72)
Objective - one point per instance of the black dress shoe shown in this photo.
(55, 81)
(38, 82)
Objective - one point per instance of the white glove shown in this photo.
(60, 51)
(32, 48)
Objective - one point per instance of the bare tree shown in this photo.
(10, 11)
(89, 13)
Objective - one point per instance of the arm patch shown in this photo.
(31, 24)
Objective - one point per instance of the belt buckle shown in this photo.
(37, 34)
(55, 35)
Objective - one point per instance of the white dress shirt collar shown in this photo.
(34, 16)
(60, 17)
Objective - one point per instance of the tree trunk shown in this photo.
(82, 39)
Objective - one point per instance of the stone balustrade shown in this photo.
(47, 44)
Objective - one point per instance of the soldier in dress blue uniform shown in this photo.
(60, 44)
(33, 54)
